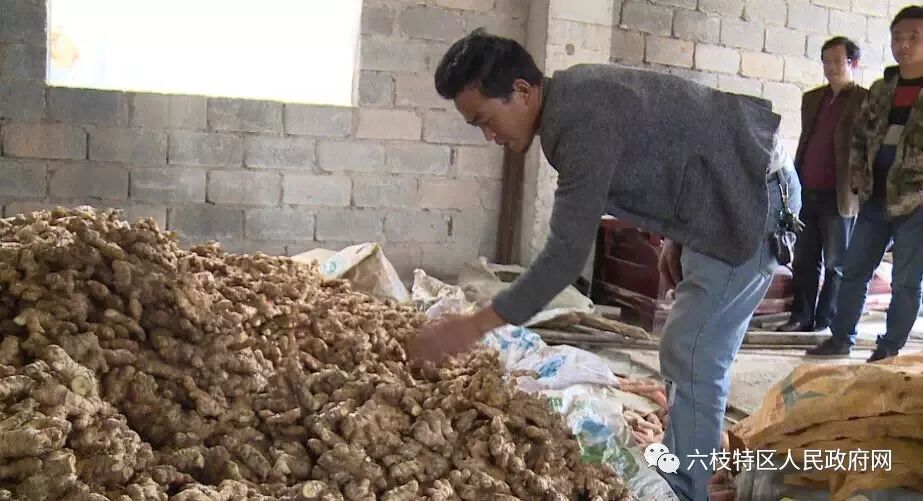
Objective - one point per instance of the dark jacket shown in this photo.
(904, 191)
(847, 201)
(675, 157)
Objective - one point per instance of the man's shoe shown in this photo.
(829, 348)
(821, 326)
(881, 353)
(795, 326)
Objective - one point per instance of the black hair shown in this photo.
(853, 52)
(491, 62)
(909, 12)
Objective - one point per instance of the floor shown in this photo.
(755, 371)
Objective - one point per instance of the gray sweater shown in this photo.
(672, 156)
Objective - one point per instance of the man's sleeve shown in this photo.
(584, 176)
(858, 147)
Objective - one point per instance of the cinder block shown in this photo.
(516, 9)
(491, 193)
(498, 25)
(816, 42)
(668, 51)
(168, 185)
(244, 187)
(697, 26)
(309, 120)
(88, 180)
(376, 89)
(385, 191)
(784, 96)
(431, 23)
(416, 226)
(272, 152)
(879, 31)
(286, 224)
(20, 99)
(434, 53)
(714, 58)
(742, 34)
(130, 146)
(241, 115)
(738, 85)
(449, 194)
(703, 77)
(307, 189)
(202, 222)
(627, 46)
(205, 149)
(169, 112)
(446, 261)
(685, 4)
(585, 11)
(22, 62)
(785, 41)
(848, 24)
(85, 106)
(835, 4)
(356, 156)
(807, 17)
(418, 90)
(44, 140)
(476, 5)
(22, 178)
(871, 56)
(22, 21)
(761, 65)
(477, 227)
(654, 19)
(449, 127)
(726, 8)
(772, 12)
(251, 247)
(417, 158)
(803, 71)
(132, 213)
(377, 123)
(393, 54)
(377, 20)
(790, 126)
(18, 207)
(348, 225)
(479, 161)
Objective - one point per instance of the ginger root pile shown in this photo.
(131, 369)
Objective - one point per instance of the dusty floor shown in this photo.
(755, 371)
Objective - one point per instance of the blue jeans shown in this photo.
(874, 231)
(701, 337)
(823, 241)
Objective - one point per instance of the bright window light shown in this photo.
(302, 51)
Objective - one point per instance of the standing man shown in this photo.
(700, 166)
(829, 206)
(886, 167)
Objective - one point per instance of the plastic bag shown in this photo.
(561, 366)
(365, 265)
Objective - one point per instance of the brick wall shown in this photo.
(768, 48)
(401, 167)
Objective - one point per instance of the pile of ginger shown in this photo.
(132, 369)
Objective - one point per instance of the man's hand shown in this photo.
(451, 336)
(671, 271)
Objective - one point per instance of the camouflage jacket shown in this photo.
(904, 190)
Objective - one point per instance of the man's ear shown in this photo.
(854, 64)
(521, 86)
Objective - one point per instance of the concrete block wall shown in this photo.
(401, 167)
(768, 48)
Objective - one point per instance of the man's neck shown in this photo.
(912, 72)
(838, 86)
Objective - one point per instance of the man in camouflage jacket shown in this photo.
(886, 171)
